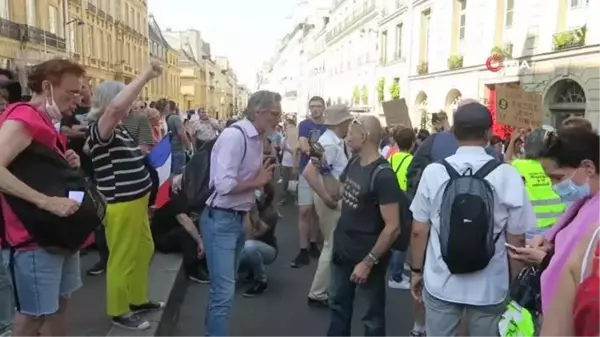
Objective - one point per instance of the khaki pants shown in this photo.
(328, 219)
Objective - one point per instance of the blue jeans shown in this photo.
(396, 265)
(255, 256)
(41, 278)
(177, 162)
(7, 307)
(223, 236)
(341, 298)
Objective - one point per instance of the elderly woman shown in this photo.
(123, 179)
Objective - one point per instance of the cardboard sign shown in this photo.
(517, 107)
(291, 137)
(396, 113)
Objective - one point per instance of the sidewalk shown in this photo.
(87, 312)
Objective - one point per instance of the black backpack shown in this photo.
(403, 240)
(467, 240)
(52, 232)
(196, 174)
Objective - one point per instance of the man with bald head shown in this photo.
(368, 225)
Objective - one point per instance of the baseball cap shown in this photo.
(473, 115)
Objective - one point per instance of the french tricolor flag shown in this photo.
(160, 159)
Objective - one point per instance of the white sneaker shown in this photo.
(403, 285)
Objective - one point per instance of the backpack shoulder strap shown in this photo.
(487, 168)
(374, 174)
(451, 171)
(400, 165)
(430, 150)
(244, 136)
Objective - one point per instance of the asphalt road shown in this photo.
(283, 309)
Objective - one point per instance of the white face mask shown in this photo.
(51, 108)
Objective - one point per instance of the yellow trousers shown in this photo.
(130, 247)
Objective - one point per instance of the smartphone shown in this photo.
(511, 247)
(316, 149)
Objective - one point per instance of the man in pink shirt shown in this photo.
(236, 172)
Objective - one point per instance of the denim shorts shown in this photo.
(42, 278)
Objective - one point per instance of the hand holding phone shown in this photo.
(511, 247)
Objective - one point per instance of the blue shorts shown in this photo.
(42, 278)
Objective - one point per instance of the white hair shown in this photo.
(260, 100)
(103, 95)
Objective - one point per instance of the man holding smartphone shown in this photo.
(324, 180)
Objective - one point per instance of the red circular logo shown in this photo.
(494, 63)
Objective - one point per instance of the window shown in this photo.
(4, 10)
(90, 49)
(383, 56)
(73, 46)
(579, 3)
(463, 19)
(31, 13)
(399, 40)
(109, 59)
(102, 45)
(52, 19)
(508, 17)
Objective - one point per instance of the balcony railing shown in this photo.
(356, 16)
(42, 37)
(9, 29)
(569, 39)
(91, 7)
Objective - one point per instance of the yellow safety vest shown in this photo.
(516, 322)
(400, 161)
(547, 205)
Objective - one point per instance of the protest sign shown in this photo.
(396, 113)
(517, 107)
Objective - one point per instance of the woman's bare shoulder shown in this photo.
(574, 263)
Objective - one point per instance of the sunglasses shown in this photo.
(358, 123)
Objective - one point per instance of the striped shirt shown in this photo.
(139, 128)
(118, 164)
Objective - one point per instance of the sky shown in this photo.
(245, 31)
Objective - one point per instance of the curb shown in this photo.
(167, 283)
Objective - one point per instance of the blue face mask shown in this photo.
(568, 191)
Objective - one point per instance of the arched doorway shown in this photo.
(421, 108)
(564, 99)
(453, 99)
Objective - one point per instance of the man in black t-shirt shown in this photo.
(368, 225)
(173, 231)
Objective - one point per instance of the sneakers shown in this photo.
(198, 276)
(417, 333)
(149, 306)
(302, 259)
(314, 251)
(97, 269)
(403, 285)
(257, 289)
(130, 322)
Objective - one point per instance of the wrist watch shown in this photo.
(371, 259)
(416, 270)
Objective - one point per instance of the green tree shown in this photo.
(380, 89)
(365, 95)
(425, 120)
(356, 95)
(395, 89)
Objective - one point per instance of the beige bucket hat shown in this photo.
(337, 114)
